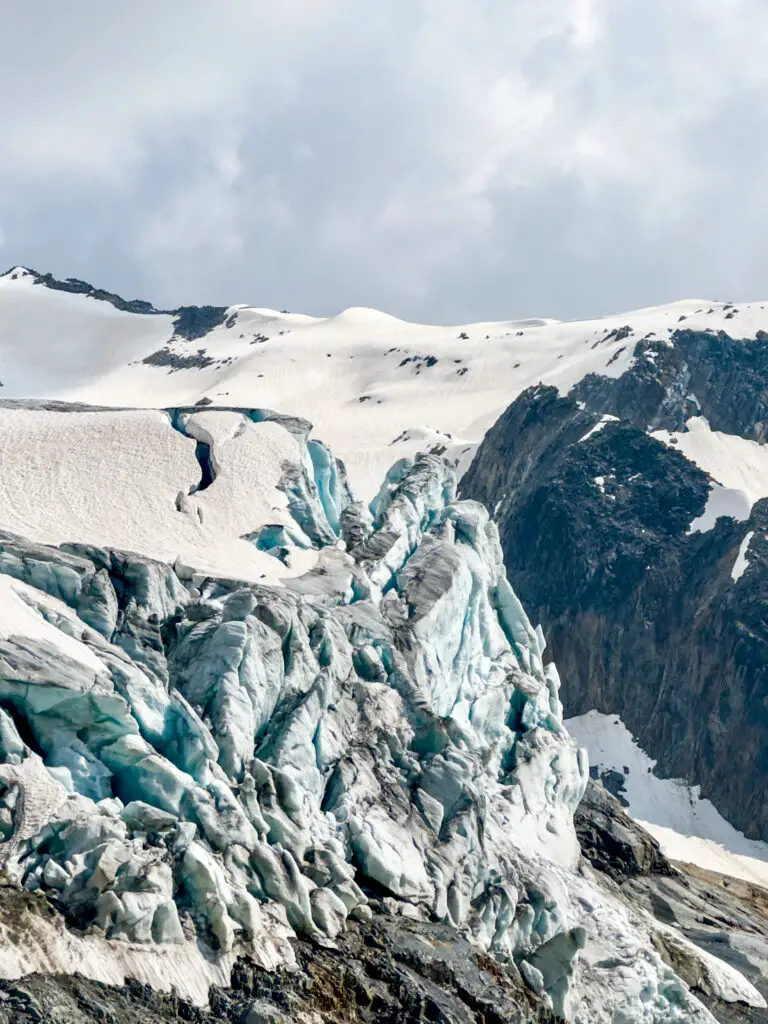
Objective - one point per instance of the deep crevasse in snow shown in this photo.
(192, 762)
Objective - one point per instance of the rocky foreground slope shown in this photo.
(364, 763)
(392, 968)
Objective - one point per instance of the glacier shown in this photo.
(196, 765)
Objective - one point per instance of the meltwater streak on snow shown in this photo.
(687, 827)
(739, 468)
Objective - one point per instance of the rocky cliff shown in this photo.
(655, 607)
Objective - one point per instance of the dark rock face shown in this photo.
(598, 511)
(190, 323)
(694, 373)
(643, 618)
(391, 971)
(611, 841)
(193, 322)
(178, 361)
(77, 287)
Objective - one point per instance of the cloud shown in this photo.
(108, 82)
(444, 159)
(202, 216)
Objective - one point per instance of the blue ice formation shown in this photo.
(216, 761)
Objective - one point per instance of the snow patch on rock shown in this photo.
(741, 564)
(738, 467)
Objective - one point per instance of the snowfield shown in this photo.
(374, 387)
(123, 479)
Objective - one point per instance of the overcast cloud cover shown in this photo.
(445, 160)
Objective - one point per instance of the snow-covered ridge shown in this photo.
(363, 368)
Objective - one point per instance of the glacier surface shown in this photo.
(198, 765)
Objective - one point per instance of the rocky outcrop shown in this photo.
(698, 919)
(644, 617)
(691, 373)
(724, 917)
(77, 287)
(611, 841)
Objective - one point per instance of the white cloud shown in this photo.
(104, 82)
(200, 216)
(337, 153)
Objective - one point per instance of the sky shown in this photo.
(444, 160)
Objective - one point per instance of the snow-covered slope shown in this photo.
(194, 486)
(375, 388)
(51, 340)
(687, 827)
